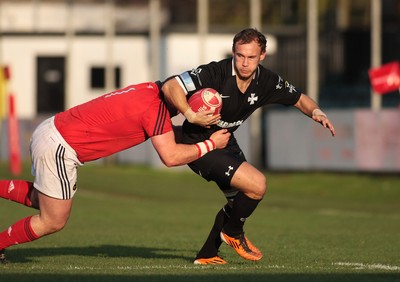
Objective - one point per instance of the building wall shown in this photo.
(20, 54)
(47, 16)
(365, 141)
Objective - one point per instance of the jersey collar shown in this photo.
(256, 73)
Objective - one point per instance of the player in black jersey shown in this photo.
(245, 85)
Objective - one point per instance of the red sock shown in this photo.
(18, 233)
(16, 190)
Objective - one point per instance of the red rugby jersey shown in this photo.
(114, 121)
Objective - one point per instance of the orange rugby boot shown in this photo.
(213, 260)
(242, 246)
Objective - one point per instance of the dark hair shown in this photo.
(248, 35)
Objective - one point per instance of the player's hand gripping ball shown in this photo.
(206, 99)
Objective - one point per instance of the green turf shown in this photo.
(132, 223)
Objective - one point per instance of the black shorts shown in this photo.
(220, 165)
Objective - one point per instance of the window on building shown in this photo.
(98, 77)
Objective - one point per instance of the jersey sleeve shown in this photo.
(209, 75)
(280, 91)
(157, 120)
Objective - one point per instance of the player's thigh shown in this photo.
(53, 216)
(54, 212)
(249, 180)
(218, 166)
(54, 163)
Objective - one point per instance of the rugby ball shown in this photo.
(206, 99)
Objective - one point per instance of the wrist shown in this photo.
(318, 112)
(189, 114)
(205, 147)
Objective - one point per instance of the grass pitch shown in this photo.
(132, 223)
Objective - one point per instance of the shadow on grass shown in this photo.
(198, 273)
(205, 277)
(112, 251)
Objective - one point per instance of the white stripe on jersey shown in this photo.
(187, 81)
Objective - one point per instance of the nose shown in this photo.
(245, 62)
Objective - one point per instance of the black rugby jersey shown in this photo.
(266, 88)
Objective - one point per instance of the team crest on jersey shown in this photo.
(196, 72)
(290, 86)
(252, 99)
(281, 83)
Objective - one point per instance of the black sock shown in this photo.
(213, 242)
(243, 207)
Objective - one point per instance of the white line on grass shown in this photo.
(146, 267)
(375, 266)
(354, 214)
(353, 265)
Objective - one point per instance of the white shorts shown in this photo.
(54, 162)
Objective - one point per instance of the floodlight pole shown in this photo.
(255, 14)
(312, 47)
(255, 119)
(376, 48)
(69, 34)
(155, 38)
(109, 34)
(202, 28)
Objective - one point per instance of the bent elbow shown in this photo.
(170, 162)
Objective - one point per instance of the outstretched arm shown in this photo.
(175, 95)
(311, 109)
(173, 154)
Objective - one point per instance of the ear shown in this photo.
(263, 55)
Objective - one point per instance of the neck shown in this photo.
(243, 84)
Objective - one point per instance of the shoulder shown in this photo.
(267, 78)
(155, 118)
(277, 88)
(222, 66)
(265, 72)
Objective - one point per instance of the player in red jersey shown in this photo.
(103, 126)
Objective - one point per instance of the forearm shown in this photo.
(311, 109)
(307, 105)
(173, 154)
(184, 154)
(175, 95)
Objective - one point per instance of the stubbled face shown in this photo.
(246, 59)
